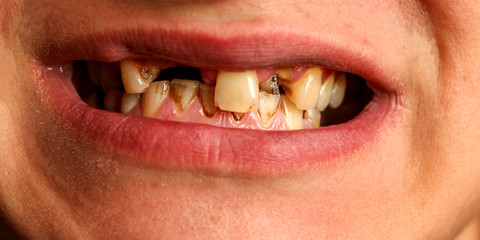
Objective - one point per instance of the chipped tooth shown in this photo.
(271, 85)
(267, 106)
(338, 91)
(238, 116)
(207, 99)
(130, 102)
(112, 100)
(313, 116)
(325, 92)
(237, 91)
(137, 77)
(304, 93)
(293, 115)
(184, 92)
(154, 97)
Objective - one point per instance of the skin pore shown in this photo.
(415, 177)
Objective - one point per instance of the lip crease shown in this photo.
(198, 147)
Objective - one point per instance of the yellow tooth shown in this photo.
(313, 116)
(207, 99)
(325, 92)
(267, 106)
(154, 97)
(338, 91)
(184, 92)
(237, 91)
(112, 100)
(304, 93)
(137, 76)
(238, 116)
(293, 115)
(129, 102)
(285, 73)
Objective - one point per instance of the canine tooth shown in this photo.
(237, 91)
(325, 92)
(112, 100)
(267, 106)
(304, 93)
(154, 97)
(293, 115)
(184, 92)
(313, 116)
(129, 102)
(238, 116)
(271, 85)
(136, 77)
(207, 99)
(338, 91)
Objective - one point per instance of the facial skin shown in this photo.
(418, 177)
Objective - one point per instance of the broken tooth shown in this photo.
(184, 92)
(338, 91)
(304, 93)
(325, 92)
(267, 106)
(293, 115)
(271, 85)
(285, 74)
(238, 116)
(207, 99)
(237, 91)
(154, 97)
(130, 102)
(313, 116)
(137, 76)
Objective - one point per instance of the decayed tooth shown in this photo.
(237, 91)
(129, 102)
(285, 74)
(154, 97)
(184, 92)
(304, 93)
(267, 106)
(338, 91)
(293, 115)
(271, 85)
(207, 99)
(137, 77)
(325, 92)
(112, 100)
(313, 116)
(238, 116)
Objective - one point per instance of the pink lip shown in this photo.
(207, 148)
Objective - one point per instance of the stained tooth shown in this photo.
(267, 106)
(285, 73)
(154, 97)
(237, 91)
(271, 85)
(207, 99)
(293, 115)
(313, 116)
(184, 92)
(325, 92)
(129, 102)
(338, 91)
(238, 116)
(112, 100)
(137, 77)
(304, 93)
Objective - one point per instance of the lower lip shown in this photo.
(206, 148)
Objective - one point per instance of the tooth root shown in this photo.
(184, 92)
(304, 93)
(237, 91)
(338, 91)
(112, 100)
(207, 99)
(136, 77)
(130, 102)
(267, 106)
(238, 116)
(313, 116)
(271, 85)
(154, 97)
(293, 115)
(325, 92)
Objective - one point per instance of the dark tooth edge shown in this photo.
(238, 116)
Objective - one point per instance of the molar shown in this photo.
(304, 93)
(293, 115)
(184, 92)
(237, 91)
(338, 91)
(137, 76)
(154, 97)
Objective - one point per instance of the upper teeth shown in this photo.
(136, 76)
(237, 91)
(304, 93)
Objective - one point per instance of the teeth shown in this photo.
(129, 102)
(184, 92)
(325, 92)
(207, 99)
(137, 77)
(304, 93)
(285, 73)
(237, 91)
(112, 100)
(338, 91)
(293, 115)
(271, 85)
(154, 97)
(267, 106)
(313, 116)
(238, 116)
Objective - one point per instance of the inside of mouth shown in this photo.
(289, 98)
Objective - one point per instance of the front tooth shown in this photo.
(293, 115)
(130, 102)
(207, 99)
(267, 106)
(184, 92)
(154, 97)
(271, 85)
(136, 77)
(237, 91)
(313, 116)
(325, 92)
(304, 93)
(338, 91)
